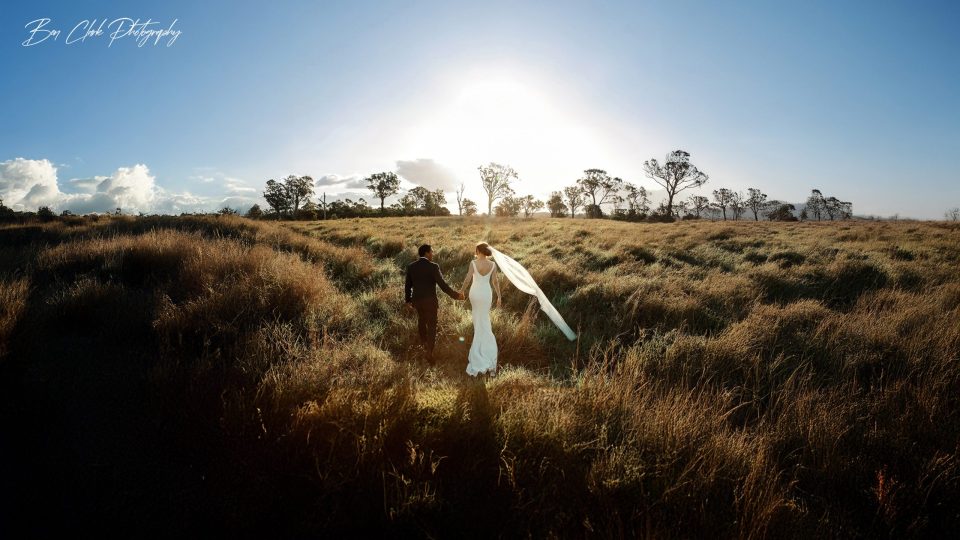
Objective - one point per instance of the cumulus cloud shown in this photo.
(87, 203)
(131, 188)
(85, 185)
(27, 184)
(427, 173)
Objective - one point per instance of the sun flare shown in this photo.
(507, 119)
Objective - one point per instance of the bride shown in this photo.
(483, 352)
(481, 273)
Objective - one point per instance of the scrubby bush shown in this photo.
(46, 214)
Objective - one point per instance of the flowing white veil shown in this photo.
(522, 280)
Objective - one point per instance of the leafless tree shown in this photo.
(460, 199)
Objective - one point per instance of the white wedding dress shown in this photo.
(483, 352)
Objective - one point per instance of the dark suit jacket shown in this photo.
(423, 276)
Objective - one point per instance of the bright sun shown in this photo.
(508, 120)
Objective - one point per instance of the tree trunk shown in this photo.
(670, 204)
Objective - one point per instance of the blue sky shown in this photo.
(858, 99)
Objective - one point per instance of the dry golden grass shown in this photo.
(730, 379)
(13, 300)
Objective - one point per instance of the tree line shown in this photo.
(292, 198)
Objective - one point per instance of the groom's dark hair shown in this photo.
(424, 249)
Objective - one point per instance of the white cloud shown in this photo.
(427, 173)
(180, 203)
(85, 185)
(26, 184)
(131, 188)
(85, 203)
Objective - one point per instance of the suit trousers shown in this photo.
(427, 322)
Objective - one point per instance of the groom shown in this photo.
(420, 292)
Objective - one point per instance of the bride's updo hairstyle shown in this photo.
(482, 247)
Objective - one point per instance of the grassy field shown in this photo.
(221, 375)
